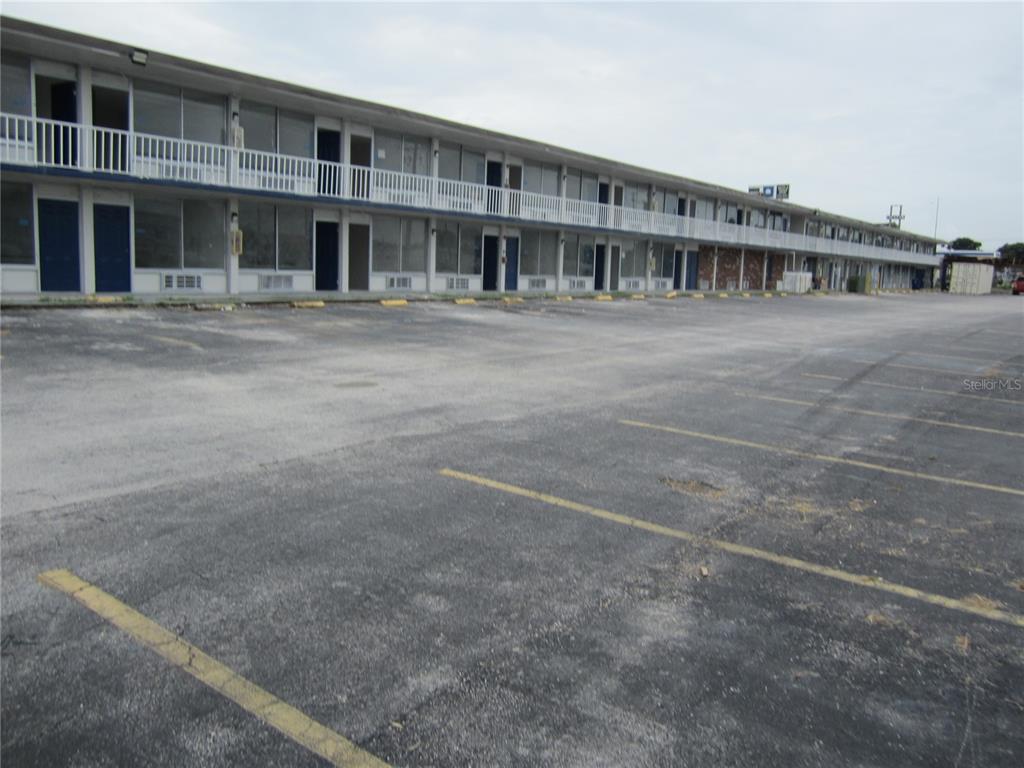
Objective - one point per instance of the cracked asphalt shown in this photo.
(265, 484)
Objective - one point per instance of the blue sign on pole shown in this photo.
(768, 191)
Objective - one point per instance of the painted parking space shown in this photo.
(290, 521)
(860, 580)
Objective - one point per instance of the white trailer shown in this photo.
(970, 279)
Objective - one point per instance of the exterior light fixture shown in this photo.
(139, 57)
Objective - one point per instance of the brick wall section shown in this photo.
(778, 267)
(728, 268)
(705, 267)
(753, 269)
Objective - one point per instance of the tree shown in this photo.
(964, 244)
(1012, 253)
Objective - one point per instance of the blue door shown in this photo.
(511, 263)
(692, 257)
(112, 227)
(326, 256)
(58, 246)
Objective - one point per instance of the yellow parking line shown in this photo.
(951, 357)
(883, 415)
(910, 367)
(914, 389)
(298, 727)
(825, 458)
(872, 582)
(178, 342)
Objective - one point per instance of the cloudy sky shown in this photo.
(856, 105)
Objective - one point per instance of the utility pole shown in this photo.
(935, 233)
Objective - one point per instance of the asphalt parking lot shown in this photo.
(726, 532)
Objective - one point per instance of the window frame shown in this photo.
(403, 223)
(276, 267)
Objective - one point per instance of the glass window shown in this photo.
(416, 155)
(571, 255)
(387, 239)
(729, 213)
(205, 238)
(533, 175)
(702, 209)
(550, 181)
(529, 252)
(260, 125)
(659, 199)
(474, 167)
(586, 257)
(548, 253)
(588, 188)
(205, 117)
(16, 227)
(668, 268)
(447, 257)
(414, 245)
(635, 196)
(387, 151)
(448, 161)
(573, 179)
(664, 260)
(757, 219)
(256, 220)
(294, 238)
(296, 136)
(671, 204)
(157, 109)
(157, 233)
(634, 253)
(471, 249)
(15, 85)
(542, 179)
(643, 199)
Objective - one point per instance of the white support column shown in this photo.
(714, 272)
(85, 118)
(685, 266)
(647, 272)
(435, 167)
(346, 142)
(764, 271)
(743, 260)
(234, 105)
(559, 262)
(343, 272)
(233, 261)
(432, 254)
(88, 240)
(607, 264)
(563, 172)
(502, 258)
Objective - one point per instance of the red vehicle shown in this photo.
(1018, 285)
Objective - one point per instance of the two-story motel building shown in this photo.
(127, 171)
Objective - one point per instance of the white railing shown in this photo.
(35, 142)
